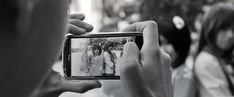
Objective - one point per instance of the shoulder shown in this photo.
(206, 61)
(207, 68)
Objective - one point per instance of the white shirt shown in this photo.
(109, 65)
(213, 82)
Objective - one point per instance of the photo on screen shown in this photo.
(97, 57)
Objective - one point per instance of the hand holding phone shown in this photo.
(148, 69)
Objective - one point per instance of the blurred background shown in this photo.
(107, 14)
(114, 15)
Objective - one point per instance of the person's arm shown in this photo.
(107, 60)
(212, 78)
(145, 72)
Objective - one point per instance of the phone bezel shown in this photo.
(67, 55)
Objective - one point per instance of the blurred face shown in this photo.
(167, 47)
(225, 39)
(96, 52)
(110, 48)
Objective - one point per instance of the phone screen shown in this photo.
(97, 58)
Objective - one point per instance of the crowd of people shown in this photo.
(33, 33)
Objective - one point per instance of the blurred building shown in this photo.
(106, 14)
(92, 10)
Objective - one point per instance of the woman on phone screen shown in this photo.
(109, 59)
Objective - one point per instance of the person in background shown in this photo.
(214, 50)
(109, 59)
(175, 40)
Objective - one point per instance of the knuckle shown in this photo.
(155, 53)
(130, 64)
(166, 58)
(154, 50)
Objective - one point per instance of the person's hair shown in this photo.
(180, 40)
(219, 17)
(96, 47)
(107, 45)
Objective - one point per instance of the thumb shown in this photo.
(80, 86)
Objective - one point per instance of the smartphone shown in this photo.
(96, 56)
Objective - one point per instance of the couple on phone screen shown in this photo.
(101, 62)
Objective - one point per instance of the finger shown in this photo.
(131, 52)
(80, 86)
(158, 77)
(149, 30)
(166, 63)
(150, 35)
(77, 16)
(150, 50)
(76, 30)
(129, 71)
(151, 58)
(81, 24)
